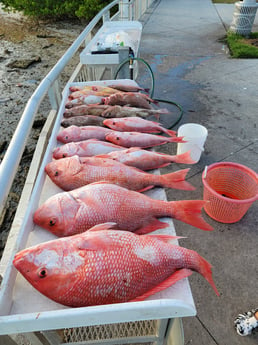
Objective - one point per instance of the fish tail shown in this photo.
(163, 111)
(205, 269)
(189, 212)
(176, 180)
(169, 132)
(177, 140)
(184, 158)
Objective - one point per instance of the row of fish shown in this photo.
(105, 253)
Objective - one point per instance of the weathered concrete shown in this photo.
(182, 42)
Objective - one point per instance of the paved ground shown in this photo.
(182, 42)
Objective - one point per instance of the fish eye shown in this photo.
(42, 272)
(66, 137)
(52, 222)
(117, 138)
(114, 123)
(56, 173)
(64, 155)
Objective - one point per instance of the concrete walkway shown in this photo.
(182, 41)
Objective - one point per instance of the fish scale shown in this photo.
(70, 213)
(116, 266)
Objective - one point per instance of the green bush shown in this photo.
(84, 9)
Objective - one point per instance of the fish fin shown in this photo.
(165, 238)
(103, 226)
(145, 189)
(164, 111)
(176, 180)
(189, 212)
(103, 155)
(177, 140)
(184, 158)
(153, 225)
(175, 277)
(206, 272)
(169, 132)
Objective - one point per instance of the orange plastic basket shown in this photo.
(230, 188)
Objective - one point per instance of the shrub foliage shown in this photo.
(83, 9)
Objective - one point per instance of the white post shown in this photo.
(124, 9)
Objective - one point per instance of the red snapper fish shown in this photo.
(85, 148)
(85, 120)
(136, 124)
(70, 213)
(105, 90)
(76, 133)
(133, 99)
(105, 266)
(143, 140)
(124, 111)
(147, 160)
(74, 172)
(84, 99)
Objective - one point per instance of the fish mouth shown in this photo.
(18, 259)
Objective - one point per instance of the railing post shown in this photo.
(124, 10)
(106, 17)
(54, 95)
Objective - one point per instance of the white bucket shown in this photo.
(195, 135)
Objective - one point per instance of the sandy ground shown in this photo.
(28, 50)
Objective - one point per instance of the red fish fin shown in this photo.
(175, 277)
(153, 225)
(169, 132)
(104, 156)
(104, 226)
(206, 272)
(165, 238)
(176, 180)
(189, 212)
(145, 189)
(177, 140)
(184, 158)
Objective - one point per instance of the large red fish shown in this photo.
(74, 172)
(143, 140)
(85, 148)
(136, 124)
(147, 160)
(104, 266)
(69, 213)
(75, 133)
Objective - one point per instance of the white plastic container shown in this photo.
(195, 135)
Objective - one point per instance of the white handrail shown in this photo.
(11, 160)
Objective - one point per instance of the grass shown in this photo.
(240, 47)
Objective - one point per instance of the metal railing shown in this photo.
(50, 86)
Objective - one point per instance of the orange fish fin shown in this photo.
(176, 180)
(103, 226)
(145, 188)
(103, 155)
(189, 212)
(175, 277)
(177, 140)
(153, 225)
(165, 238)
(184, 158)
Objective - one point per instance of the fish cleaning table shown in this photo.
(24, 310)
(111, 46)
